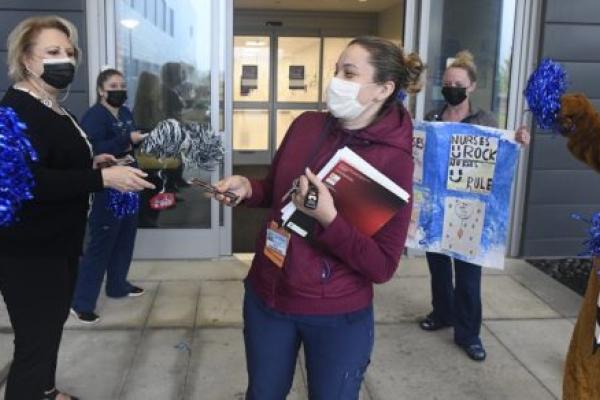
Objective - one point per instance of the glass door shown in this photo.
(276, 78)
(173, 56)
(486, 29)
(251, 96)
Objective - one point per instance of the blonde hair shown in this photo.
(22, 37)
(465, 60)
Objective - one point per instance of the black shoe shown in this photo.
(431, 324)
(476, 352)
(89, 318)
(136, 292)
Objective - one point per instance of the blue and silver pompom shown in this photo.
(543, 92)
(16, 153)
(123, 204)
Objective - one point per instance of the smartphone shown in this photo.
(127, 160)
(207, 187)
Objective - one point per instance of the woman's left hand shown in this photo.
(325, 212)
(104, 160)
(522, 136)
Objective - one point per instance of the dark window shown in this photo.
(171, 22)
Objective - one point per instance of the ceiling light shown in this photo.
(130, 23)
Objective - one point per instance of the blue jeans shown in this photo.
(456, 304)
(109, 251)
(337, 349)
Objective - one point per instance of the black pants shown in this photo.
(38, 293)
(457, 304)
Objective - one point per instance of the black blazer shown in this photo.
(53, 223)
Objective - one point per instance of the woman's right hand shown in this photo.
(125, 179)
(237, 184)
(137, 137)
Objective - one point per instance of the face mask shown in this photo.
(58, 72)
(116, 98)
(342, 99)
(454, 95)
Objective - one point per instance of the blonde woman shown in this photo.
(39, 253)
(459, 304)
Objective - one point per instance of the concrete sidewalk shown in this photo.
(183, 339)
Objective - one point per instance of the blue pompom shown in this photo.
(543, 92)
(16, 179)
(123, 204)
(592, 245)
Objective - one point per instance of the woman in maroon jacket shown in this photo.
(319, 293)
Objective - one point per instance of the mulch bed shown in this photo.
(571, 272)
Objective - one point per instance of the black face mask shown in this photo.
(454, 95)
(116, 98)
(58, 74)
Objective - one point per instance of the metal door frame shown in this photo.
(177, 243)
(524, 56)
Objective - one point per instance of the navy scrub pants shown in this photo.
(109, 251)
(456, 304)
(337, 350)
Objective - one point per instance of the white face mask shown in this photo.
(342, 99)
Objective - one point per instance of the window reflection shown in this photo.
(484, 28)
(163, 49)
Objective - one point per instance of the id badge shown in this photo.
(276, 244)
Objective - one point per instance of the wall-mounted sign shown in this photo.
(249, 79)
(296, 76)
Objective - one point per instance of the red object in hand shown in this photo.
(162, 201)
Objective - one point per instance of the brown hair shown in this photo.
(392, 65)
(22, 37)
(465, 60)
(103, 77)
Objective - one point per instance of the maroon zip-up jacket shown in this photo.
(335, 273)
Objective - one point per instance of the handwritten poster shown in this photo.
(472, 163)
(461, 193)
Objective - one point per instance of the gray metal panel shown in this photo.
(564, 187)
(555, 221)
(555, 145)
(80, 83)
(579, 11)
(48, 5)
(553, 247)
(559, 49)
(583, 77)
